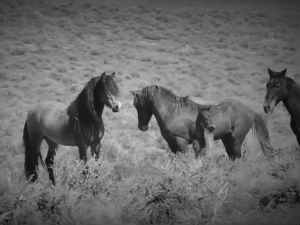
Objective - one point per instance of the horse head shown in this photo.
(108, 91)
(276, 90)
(143, 109)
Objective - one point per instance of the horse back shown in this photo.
(50, 119)
(229, 114)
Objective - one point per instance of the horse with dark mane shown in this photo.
(282, 88)
(233, 120)
(79, 124)
(176, 116)
(182, 121)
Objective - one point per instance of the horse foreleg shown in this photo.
(296, 130)
(82, 153)
(199, 144)
(177, 144)
(80, 140)
(95, 149)
(50, 158)
(298, 138)
(96, 145)
(182, 144)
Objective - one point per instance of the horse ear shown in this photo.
(113, 74)
(283, 72)
(271, 72)
(103, 75)
(132, 92)
(186, 97)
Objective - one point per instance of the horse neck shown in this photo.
(76, 110)
(165, 110)
(160, 111)
(292, 102)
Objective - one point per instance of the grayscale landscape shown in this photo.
(209, 50)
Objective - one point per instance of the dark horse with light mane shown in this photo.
(282, 88)
(176, 117)
(79, 124)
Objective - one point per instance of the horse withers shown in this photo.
(282, 88)
(78, 124)
(176, 116)
(232, 120)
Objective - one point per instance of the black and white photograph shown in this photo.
(150, 112)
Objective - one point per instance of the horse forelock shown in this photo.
(110, 86)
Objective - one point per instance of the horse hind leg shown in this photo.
(233, 146)
(50, 158)
(229, 146)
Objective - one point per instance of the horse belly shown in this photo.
(56, 126)
(223, 127)
(63, 138)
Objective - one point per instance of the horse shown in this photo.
(232, 120)
(281, 88)
(176, 116)
(78, 124)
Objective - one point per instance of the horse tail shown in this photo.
(31, 156)
(261, 131)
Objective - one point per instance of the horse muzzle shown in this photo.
(211, 128)
(143, 128)
(116, 107)
(269, 107)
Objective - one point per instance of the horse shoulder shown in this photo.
(182, 126)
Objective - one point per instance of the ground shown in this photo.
(209, 50)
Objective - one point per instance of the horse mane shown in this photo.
(292, 84)
(158, 93)
(83, 107)
(290, 80)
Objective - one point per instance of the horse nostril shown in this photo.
(115, 108)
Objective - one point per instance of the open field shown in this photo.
(208, 50)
